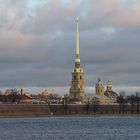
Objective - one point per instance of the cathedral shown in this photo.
(76, 91)
(77, 84)
(102, 95)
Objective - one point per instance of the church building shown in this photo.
(103, 96)
(77, 84)
(99, 87)
(76, 91)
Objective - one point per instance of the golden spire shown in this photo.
(77, 44)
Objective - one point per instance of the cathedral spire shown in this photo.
(77, 60)
(77, 84)
(77, 41)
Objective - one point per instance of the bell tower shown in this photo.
(99, 87)
(109, 86)
(77, 83)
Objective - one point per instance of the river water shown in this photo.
(70, 128)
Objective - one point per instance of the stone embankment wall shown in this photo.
(34, 110)
(94, 109)
(23, 110)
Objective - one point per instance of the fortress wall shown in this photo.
(34, 110)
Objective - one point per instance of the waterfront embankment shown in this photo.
(20, 110)
(38, 110)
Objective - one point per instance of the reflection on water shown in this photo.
(70, 128)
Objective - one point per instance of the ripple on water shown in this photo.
(70, 128)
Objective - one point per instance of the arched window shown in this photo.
(74, 77)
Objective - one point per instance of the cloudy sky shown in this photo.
(37, 42)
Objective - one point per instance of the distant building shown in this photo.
(76, 91)
(45, 94)
(109, 86)
(99, 96)
(99, 87)
(18, 96)
(109, 91)
(12, 92)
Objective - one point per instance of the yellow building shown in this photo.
(103, 100)
(109, 92)
(99, 87)
(77, 84)
(76, 91)
(100, 96)
(109, 86)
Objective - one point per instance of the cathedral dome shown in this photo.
(99, 83)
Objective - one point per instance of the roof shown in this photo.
(101, 97)
(100, 82)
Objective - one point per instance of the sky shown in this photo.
(37, 42)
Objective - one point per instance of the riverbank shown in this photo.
(13, 110)
(71, 116)
(43, 110)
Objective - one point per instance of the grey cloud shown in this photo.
(38, 50)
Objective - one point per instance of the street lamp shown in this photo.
(64, 98)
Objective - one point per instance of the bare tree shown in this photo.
(121, 102)
(137, 101)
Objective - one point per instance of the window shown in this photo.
(80, 77)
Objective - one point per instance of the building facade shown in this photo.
(99, 87)
(77, 84)
(109, 86)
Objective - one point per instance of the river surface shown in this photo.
(70, 128)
